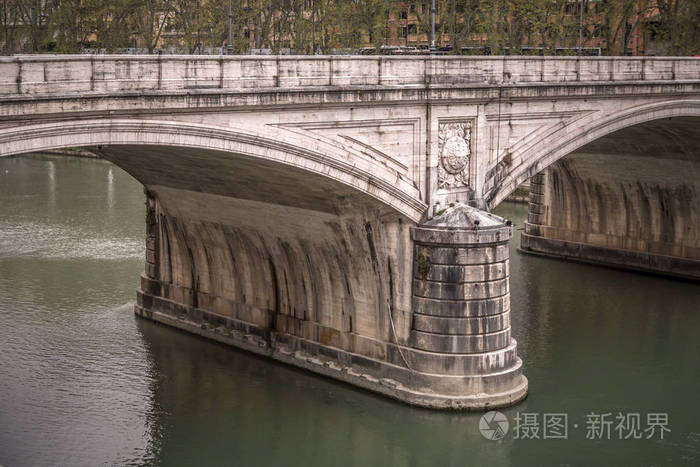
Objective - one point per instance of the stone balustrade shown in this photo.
(69, 74)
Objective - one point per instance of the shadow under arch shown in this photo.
(354, 174)
(562, 141)
(629, 199)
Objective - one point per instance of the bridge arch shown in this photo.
(623, 191)
(359, 173)
(259, 232)
(567, 139)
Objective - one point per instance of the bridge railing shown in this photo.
(70, 74)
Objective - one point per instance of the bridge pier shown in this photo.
(461, 306)
(625, 211)
(419, 314)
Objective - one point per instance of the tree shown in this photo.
(150, 17)
(112, 23)
(310, 26)
(188, 19)
(365, 23)
(32, 16)
(9, 18)
(619, 20)
(676, 26)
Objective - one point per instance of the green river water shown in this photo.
(84, 382)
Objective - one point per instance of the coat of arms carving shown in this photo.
(455, 153)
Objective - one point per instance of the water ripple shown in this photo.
(59, 241)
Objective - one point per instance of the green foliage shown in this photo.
(318, 26)
(678, 26)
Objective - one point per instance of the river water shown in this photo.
(83, 382)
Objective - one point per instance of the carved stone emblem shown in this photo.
(455, 152)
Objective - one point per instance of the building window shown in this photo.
(412, 29)
(404, 31)
(403, 14)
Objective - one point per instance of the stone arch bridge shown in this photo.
(331, 212)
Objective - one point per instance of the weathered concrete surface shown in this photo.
(461, 304)
(631, 199)
(329, 293)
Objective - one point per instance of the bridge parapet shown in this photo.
(67, 74)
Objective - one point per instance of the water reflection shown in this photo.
(51, 183)
(220, 404)
(110, 192)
